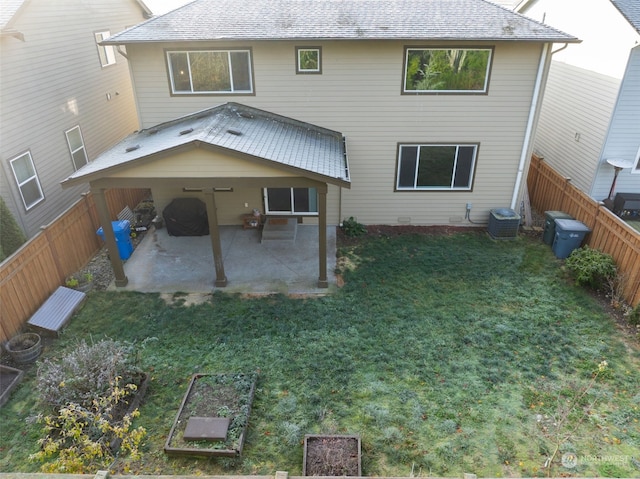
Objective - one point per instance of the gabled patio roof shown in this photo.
(281, 142)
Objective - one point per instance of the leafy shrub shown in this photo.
(352, 228)
(591, 267)
(11, 236)
(86, 373)
(79, 438)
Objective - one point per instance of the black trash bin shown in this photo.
(569, 236)
(550, 218)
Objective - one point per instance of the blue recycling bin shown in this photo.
(569, 236)
(122, 232)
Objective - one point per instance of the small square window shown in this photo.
(308, 60)
(107, 53)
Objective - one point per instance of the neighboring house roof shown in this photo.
(630, 9)
(205, 20)
(285, 142)
(10, 8)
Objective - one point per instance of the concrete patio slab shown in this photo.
(170, 264)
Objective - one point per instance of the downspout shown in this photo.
(530, 122)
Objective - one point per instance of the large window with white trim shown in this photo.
(436, 167)
(210, 71)
(26, 177)
(447, 70)
(107, 53)
(76, 147)
(291, 201)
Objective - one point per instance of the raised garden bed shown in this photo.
(211, 398)
(332, 455)
(9, 379)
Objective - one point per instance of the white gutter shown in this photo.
(532, 116)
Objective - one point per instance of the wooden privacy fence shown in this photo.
(549, 191)
(31, 274)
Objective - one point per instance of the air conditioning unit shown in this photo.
(503, 223)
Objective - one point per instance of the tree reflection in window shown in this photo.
(447, 70)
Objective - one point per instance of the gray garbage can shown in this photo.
(569, 236)
(550, 218)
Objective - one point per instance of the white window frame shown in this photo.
(299, 68)
(292, 212)
(482, 91)
(451, 186)
(80, 148)
(106, 53)
(21, 183)
(636, 166)
(210, 92)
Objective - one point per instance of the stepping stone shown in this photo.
(206, 429)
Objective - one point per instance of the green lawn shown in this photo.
(447, 354)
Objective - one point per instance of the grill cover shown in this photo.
(186, 217)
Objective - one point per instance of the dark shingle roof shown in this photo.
(282, 141)
(631, 11)
(206, 20)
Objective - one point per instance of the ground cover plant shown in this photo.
(445, 353)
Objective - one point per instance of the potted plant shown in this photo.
(24, 348)
(82, 282)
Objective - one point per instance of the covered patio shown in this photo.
(160, 264)
(222, 156)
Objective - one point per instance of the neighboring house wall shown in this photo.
(53, 81)
(583, 87)
(366, 105)
(570, 138)
(623, 139)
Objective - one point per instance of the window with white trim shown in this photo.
(308, 60)
(446, 70)
(76, 147)
(636, 166)
(291, 201)
(436, 167)
(210, 71)
(26, 177)
(107, 53)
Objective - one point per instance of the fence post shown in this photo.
(54, 253)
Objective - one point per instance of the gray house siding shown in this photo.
(574, 120)
(623, 139)
(53, 81)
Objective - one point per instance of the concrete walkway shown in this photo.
(169, 264)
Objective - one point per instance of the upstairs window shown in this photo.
(210, 72)
(436, 167)
(308, 60)
(27, 180)
(107, 53)
(76, 147)
(446, 70)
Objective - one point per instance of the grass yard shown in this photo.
(447, 354)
